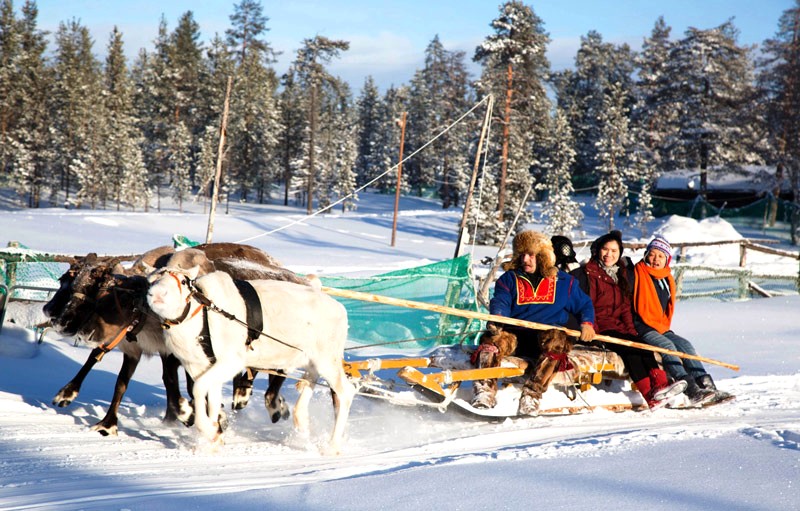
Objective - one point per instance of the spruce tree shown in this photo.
(254, 122)
(779, 81)
(710, 90)
(368, 134)
(581, 94)
(25, 141)
(125, 166)
(439, 94)
(78, 119)
(560, 210)
(292, 146)
(310, 67)
(514, 70)
(612, 156)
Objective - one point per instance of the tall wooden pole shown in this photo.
(402, 123)
(220, 151)
(478, 152)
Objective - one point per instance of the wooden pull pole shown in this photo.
(369, 297)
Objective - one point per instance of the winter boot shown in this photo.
(646, 390)
(662, 389)
(530, 398)
(705, 382)
(485, 394)
(697, 396)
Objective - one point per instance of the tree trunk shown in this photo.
(312, 125)
(504, 162)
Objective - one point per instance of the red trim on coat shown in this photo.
(527, 294)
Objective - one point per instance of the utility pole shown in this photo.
(402, 124)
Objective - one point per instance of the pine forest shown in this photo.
(125, 131)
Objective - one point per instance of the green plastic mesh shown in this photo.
(22, 269)
(447, 283)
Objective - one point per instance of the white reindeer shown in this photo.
(303, 328)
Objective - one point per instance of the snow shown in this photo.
(740, 455)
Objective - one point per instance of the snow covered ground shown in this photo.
(743, 455)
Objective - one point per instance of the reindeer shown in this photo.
(98, 303)
(303, 328)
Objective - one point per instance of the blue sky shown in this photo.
(388, 38)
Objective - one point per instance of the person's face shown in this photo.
(609, 253)
(529, 263)
(656, 259)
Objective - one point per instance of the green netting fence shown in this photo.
(22, 270)
(447, 283)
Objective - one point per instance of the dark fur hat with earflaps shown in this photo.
(532, 242)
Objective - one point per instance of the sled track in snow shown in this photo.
(53, 449)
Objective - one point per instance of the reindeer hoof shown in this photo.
(186, 413)
(222, 423)
(281, 412)
(64, 398)
(105, 430)
(241, 398)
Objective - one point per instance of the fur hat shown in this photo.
(565, 252)
(659, 242)
(605, 238)
(532, 242)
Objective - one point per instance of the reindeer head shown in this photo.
(170, 290)
(74, 304)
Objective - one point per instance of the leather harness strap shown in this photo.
(255, 319)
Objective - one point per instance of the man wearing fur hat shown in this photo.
(654, 305)
(533, 289)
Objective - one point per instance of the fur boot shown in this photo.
(530, 398)
(495, 344)
(485, 394)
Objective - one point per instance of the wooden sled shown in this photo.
(598, 380)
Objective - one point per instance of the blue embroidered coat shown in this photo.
(550, 302)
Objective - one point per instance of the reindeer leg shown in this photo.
(108, 425)
(243, 388)
(178, 407)
(69, 392)
(273, 400)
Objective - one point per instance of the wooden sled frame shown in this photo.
(442, 384)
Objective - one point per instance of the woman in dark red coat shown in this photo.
(606, 279)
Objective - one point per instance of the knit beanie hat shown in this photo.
(532, 242)
(564, 251)
(659, 242)
(605, 238)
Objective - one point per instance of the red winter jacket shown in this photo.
(612, 310)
